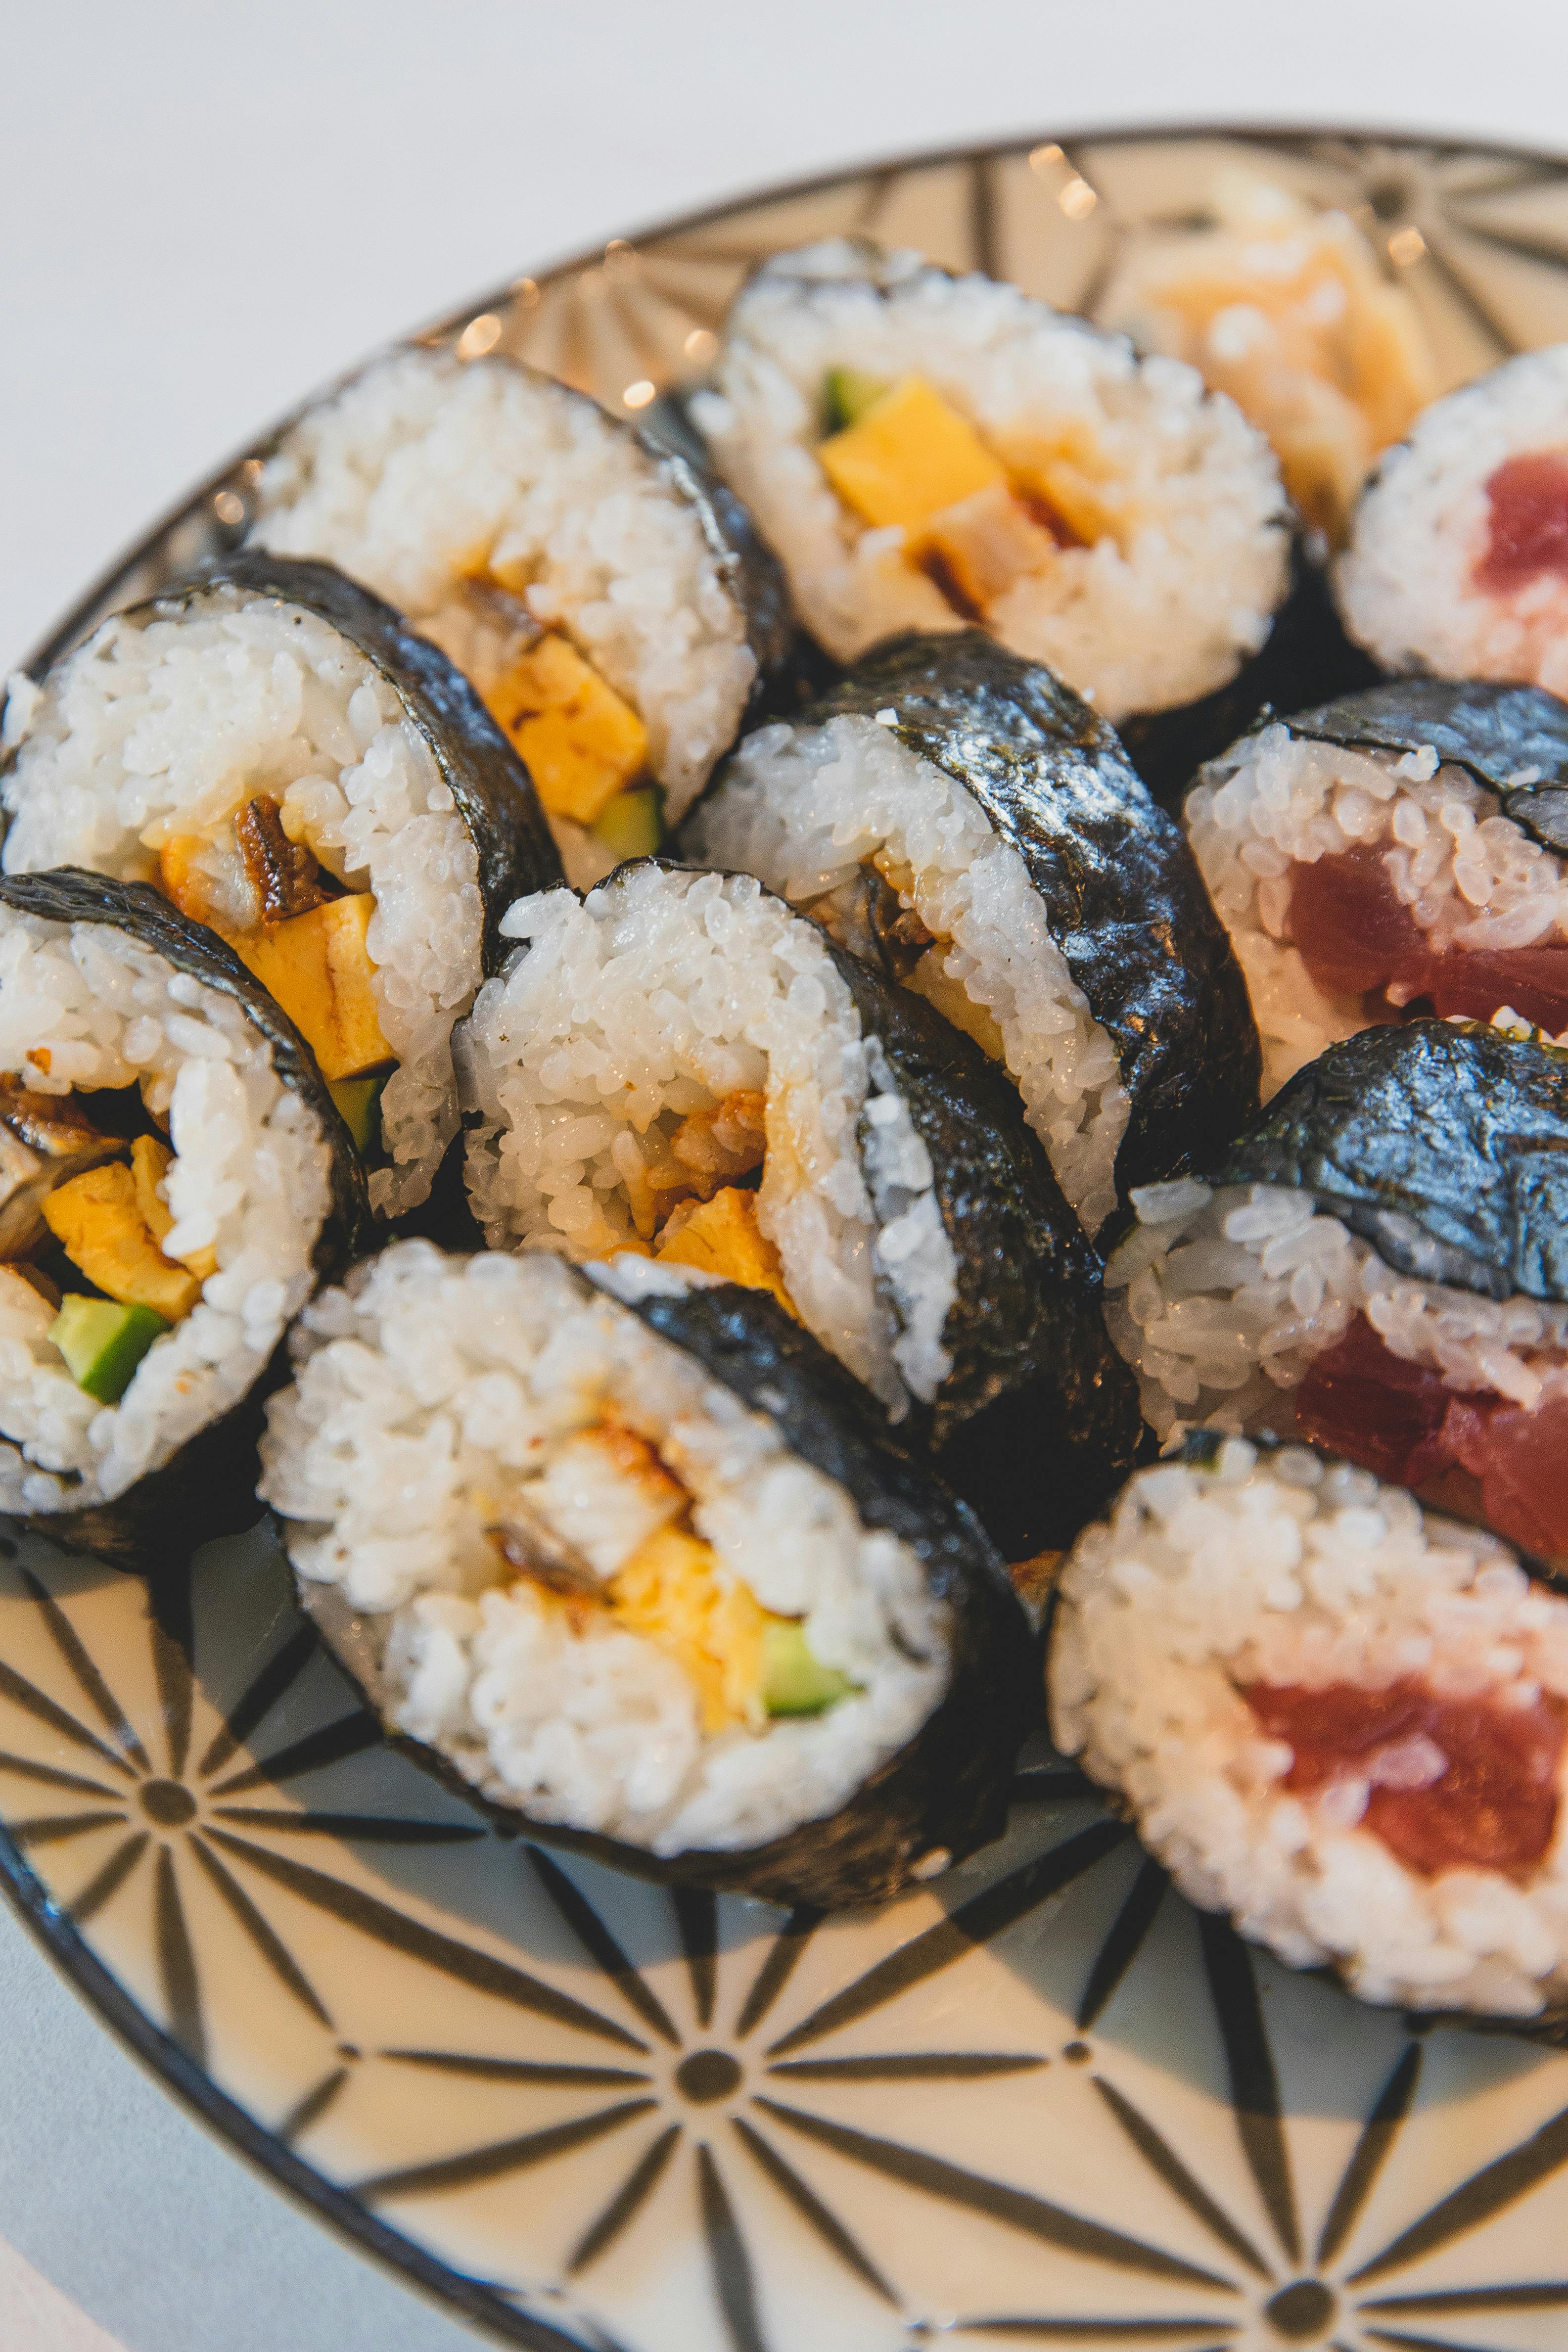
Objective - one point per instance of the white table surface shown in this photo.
(207, 209)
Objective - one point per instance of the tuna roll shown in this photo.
(959, 818)
(679, 1065)
(1457, 560)
(611, 604)
(1334, 1715)
(1380, 1266)
(1400, 848)
(173, 1181)
(655, 1581)
(272, 749)
(926, 451)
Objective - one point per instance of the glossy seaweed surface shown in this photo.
(1445, 1147)
(209, 1486)
(1122, 893)
(1038, 1417)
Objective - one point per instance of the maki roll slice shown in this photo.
(680, 1067)
(1404, 849)
(928, 452)
(1380, 1266)
(275, 753)
(964, 822)
(1457, 560)
(1335, 1716)
(657, 1581)
(611, 603)
(174, 1180)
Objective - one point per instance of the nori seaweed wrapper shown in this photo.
(1121, 892)
(1445, 1147)
(946, 1791)
(1307, 656)
(208, 1488)
(1038, 1417)
(488, 780)
(1513, 738)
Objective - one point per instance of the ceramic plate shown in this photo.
(1049, 2104)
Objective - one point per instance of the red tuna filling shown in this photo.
(1398, 1419)
(1493, 1807)
(1528, 532)
(1355, 938)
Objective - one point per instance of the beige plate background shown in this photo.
(1051, 2106)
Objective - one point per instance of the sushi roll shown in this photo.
(1401, 848)
(611, 603)
(1380, 1266)
(174, 1180)
(1334, 1715)
(681, 1066)
(926, 452)
(270, 748)
(630, 1556)
(955, 815)
(1457, 560)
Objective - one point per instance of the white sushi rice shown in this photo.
(1275, 1568)
(1163, 608)
(250, 1180)
(1406, 583)
(1470, 878)
(1221, 1299)
(434, 1392)
(657, 996)
(423, 467)
(167, 724)
(804, 808)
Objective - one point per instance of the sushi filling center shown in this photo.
(1446, 1783)
(1527, 528)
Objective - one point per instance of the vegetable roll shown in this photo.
(173, 1181)
(1400, 848)
(925, 451)
(1289, 310)
(1457, 560)
(1380, 1266)
(289, 766)
(1334, 1715)
(609, 601)
(681, 1066)
(958, 817)
(646, 1573)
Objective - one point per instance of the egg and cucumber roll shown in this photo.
(174, 1180)
(649, 1575)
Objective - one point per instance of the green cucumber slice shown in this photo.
(103, 1342)
(794, 1682)
(632, 825)
(846, 395)
(359, 1101)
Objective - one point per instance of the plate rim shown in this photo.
(52, 1931)
(70, 624)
